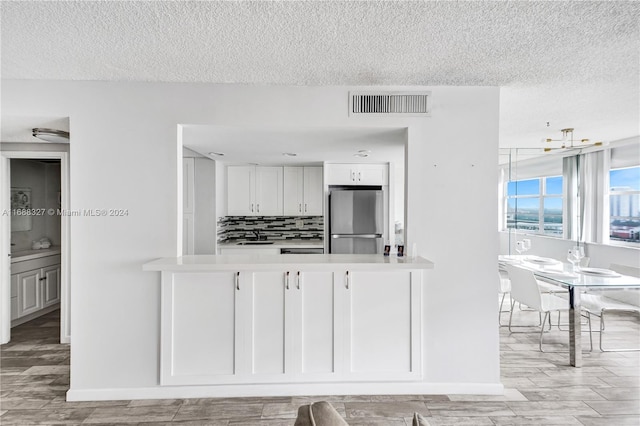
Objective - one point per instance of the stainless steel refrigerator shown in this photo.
(356, 221)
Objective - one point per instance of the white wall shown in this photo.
(125, 155)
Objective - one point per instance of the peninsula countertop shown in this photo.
(197, 263)
(20, 256)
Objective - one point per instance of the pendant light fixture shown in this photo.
(567, 141)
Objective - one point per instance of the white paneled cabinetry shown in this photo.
(357, 174)
(254, 191)
(290, 325)
(35, 288)
(303, 191)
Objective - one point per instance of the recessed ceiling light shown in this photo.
(361, 155)
(217, 154)
(289, 154)
(364, 151)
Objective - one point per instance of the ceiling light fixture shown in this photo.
(51, 135)
(361, 155)
(289, 154)
(364, 151)
(217, 154)
(567, 141)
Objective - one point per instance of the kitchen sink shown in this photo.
(254, 243)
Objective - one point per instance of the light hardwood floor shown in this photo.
(541, 389)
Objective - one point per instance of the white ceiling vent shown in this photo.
(398, 103)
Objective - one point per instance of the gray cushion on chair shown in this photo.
(319, 414)
(418, 420)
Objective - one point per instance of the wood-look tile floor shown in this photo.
(541, 389)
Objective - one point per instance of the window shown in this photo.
(624, 204)
(535, 205)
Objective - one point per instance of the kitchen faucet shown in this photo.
(257, 234)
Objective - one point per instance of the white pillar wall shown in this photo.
(125, 156)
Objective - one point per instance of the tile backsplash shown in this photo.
(231, 228)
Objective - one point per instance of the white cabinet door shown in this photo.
(340, 174)
(241, 181)
(372, 174)
(51, 275)
(268, 191)
(318, 321)
(292, 329)
(313, 191)
(357, 174)
(188, 185)
(383, 327)
(202, 328)
(14, 296)
(293, 192)
(268, 335)
(29, 292)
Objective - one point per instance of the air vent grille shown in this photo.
(390, 103)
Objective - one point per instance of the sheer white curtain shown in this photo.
(593, 188)
(570, 208)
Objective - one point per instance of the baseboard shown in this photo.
(249, 390)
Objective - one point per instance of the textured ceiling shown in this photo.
(572, 64)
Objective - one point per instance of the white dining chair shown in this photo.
(620, 301)
(525, 290)
(505, 288)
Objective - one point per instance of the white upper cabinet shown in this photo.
(254, 191)
(303, 191)
(293, 190)
(313, 191)
(357, 174)
(268, 193)
(241, 190)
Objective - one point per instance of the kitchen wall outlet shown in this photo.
(299, 224)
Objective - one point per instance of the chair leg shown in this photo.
(591, 333)
(546, 315)
(513, 304)
(500, 309)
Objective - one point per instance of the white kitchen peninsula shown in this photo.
(241, 325)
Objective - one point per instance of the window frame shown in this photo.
(541, 196)
(608, 217)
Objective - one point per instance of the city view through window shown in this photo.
(535, 205)
(527, 199)
(624, 204)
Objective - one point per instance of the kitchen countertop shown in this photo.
(20, 256)
(250, 262)
(276, 243)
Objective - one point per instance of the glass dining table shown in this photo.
(576, 280)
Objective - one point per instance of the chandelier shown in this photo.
(567, 142)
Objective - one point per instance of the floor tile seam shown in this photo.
(616, 414)
(607, 399)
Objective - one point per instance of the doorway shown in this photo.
(39, 281)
